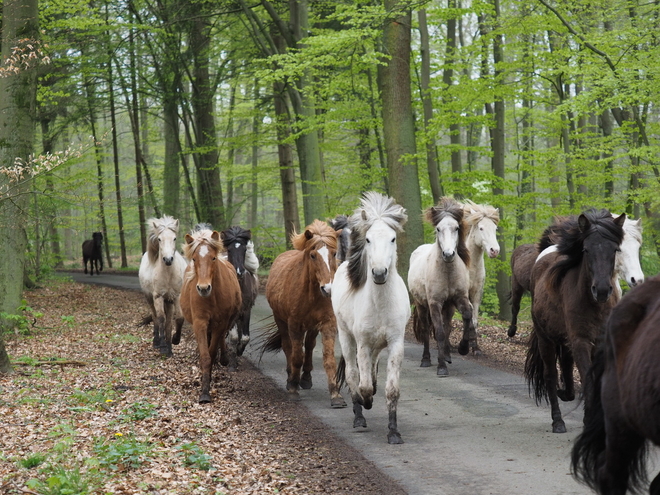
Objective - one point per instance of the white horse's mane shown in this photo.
(156, 227)
(633, 228)
(474, 213)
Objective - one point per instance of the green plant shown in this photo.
(94, 398)
(32, 460)
(61, 482)
(69, 320)
(121, 451)
(22, 321)
(194, 456)
(138, 411)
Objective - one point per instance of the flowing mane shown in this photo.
(570, 240)
(450, 207)
(321, 233)
(374, 206)
(339, 222)
(156, 227)
(235, 234)
(475, 213)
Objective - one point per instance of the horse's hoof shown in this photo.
(337, 402)
(368, 403)
(176, 339)
(559, 427)
(463, 347)
(448, 358)
(360, 421)
(165, 351)
(476, 351)
(204, 399)
(232, 369)
(394, 438)
(564, 396)
(426, 363)
(306, 381)
(511, 332)
(442, 371)
(293, 396)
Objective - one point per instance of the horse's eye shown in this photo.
(393, 240)
(313, 256)
(368, 241)
(481, 228)
(175, 238)
(214, 258)
(456, 229)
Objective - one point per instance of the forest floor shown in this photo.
(92, 408)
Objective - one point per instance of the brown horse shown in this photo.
(572, 296)
(210, 301)
(298, 291)
(622, 410)
(522, 262)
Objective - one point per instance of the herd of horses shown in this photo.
(340, 280)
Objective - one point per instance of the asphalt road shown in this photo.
(472, 433)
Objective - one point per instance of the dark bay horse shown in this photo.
(522, 262)
(298, 291)
(92, 251)
(240, 253)
(622, 410)
(340, 224)
(572, 296)
(210, 301)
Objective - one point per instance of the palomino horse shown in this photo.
(210, 301)
(340, 224)
(627, 265)
(92, 251)
(240, 253)
(161, 276)
(371, 305)
(622, 410)
(439, 281)
(572, 296)
(298, 291)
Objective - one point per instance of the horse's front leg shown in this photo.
(421, 319)
(349, 352)
(394, 361)
(159, 324)
(469, 339)
(179, 319)
(244, 332)
(517, 292)
(328, 332)
(308, 364)
(547, 351)
(440, 338)
(475, 298)
(566, 365)
(200, 328)
(296, 356)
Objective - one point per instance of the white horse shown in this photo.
(161, 277)
(439, 281)
(371, 305)
(481, 239)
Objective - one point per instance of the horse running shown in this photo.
(622, 411)
(210, 301)
(627, 265)
(572, 296)
(161, 277)
(298, 291)
(92, 251)
(340, 224)
(439, 281)
(240, 253)
(370, 301)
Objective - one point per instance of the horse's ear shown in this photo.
(215, 235)
(338, 233)
(620, 220)
(248, 233)
(638, 222)
(364, 215)
(189, 239)
(222, 235)
(583, 222)
(176, 224)
(308, 234)
(154, 224)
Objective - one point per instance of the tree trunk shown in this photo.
(254, 190)
(448, 79)
(17, 130)
(431, 152)
(399, 130)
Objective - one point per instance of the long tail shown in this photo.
(588, 448)
(420, 328)
(340, 374)
(270, 340)
(534, 370)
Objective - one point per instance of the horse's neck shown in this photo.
(475, 249)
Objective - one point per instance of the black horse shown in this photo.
(92, 251)
(340, 223)
(240, 253)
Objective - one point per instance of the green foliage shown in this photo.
(194, 456)
(22, 322)
(32, 461)
(62, 482)
(87, 400)
(121, 451)
(138, 411)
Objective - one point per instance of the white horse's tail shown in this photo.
(251, 261)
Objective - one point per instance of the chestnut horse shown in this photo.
(622, 410)
(210, 301)
(298, 291)
(572, 296)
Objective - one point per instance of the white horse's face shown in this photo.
(627, 263)
(485, 235)
(381, 251)
(167, 246)
(446, 235)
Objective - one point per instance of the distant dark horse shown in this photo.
(240, 253)
(622, 410)
(92, 250)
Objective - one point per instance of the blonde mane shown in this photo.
(200, 237)
(475, 213)
(322, 233)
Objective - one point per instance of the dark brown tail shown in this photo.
(340, 374)
(420, 328)
(146, 320)
(534, 370)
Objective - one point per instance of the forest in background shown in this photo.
(268, 114)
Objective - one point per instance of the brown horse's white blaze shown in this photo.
(210, 301)
(298, 291)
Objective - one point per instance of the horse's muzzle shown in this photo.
(380, 276)
(601, 296)
(204, 291)
(168, 261)
(326, 290)
(448, 258)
